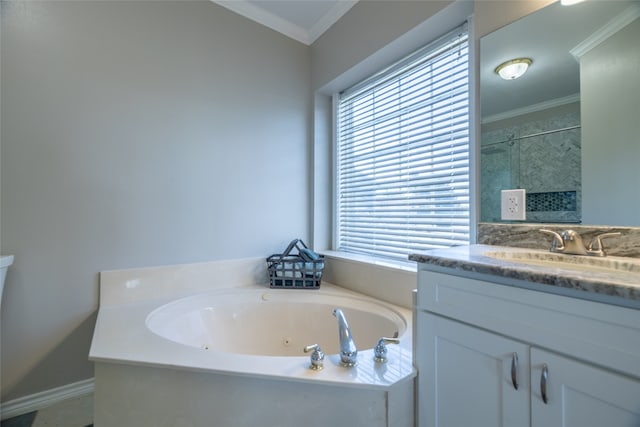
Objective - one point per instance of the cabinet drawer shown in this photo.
(599, 333)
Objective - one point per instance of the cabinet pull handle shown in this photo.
(514, 370)
(543, 382)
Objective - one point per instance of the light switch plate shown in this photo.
(513, 205)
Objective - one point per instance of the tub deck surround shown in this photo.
(127, 299)
(620, 288)
(120, 287)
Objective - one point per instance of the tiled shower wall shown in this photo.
(547, 166)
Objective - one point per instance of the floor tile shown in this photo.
(76, 412)
(25, 420)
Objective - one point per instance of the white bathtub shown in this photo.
(179, 353)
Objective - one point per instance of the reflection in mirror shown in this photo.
(567, 130)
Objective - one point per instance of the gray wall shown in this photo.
(610, 143)
(374, 33)
(137, 134)
(361, 34)
(154, 133)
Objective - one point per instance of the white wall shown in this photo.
(609, 86)
(137, 134)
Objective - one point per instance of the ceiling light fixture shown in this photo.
(514, 68)
(570, 2)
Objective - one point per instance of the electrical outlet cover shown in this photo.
(513, 205)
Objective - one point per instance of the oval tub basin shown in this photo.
(272, 322)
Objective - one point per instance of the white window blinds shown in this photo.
(403, 154)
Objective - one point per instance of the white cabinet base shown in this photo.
(581, 395)
(468, 331)
(467, 376)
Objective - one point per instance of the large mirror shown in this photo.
(568, 130)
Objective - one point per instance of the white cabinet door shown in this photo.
(581, 395)
(465, 376)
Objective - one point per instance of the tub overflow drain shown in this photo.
(287, 341)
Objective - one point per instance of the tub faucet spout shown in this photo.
(348, 350)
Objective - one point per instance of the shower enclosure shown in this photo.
(539, 152)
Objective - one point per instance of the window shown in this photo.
(403, 154)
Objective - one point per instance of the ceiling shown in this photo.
(301, 20)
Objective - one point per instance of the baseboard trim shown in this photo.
(44, 399)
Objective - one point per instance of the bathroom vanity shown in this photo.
(503, 341)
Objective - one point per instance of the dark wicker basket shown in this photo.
(292, 269)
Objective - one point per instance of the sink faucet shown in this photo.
(566, 242)
(348, 350)
(570, 242)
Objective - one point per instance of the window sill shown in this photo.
(408, 266)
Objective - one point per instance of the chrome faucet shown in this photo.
(380, 350)
(570, 242)
(317, 357)
(348, 350)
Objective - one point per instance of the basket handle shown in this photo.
(292, 245)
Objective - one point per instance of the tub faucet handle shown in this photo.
(317, 357)
(596, 248)
(380, 351)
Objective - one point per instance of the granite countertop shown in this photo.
(583, 277)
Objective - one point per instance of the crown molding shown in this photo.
(265, 18)
(627, 16)
(283, 26)
(330, 18)
(532, 108)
